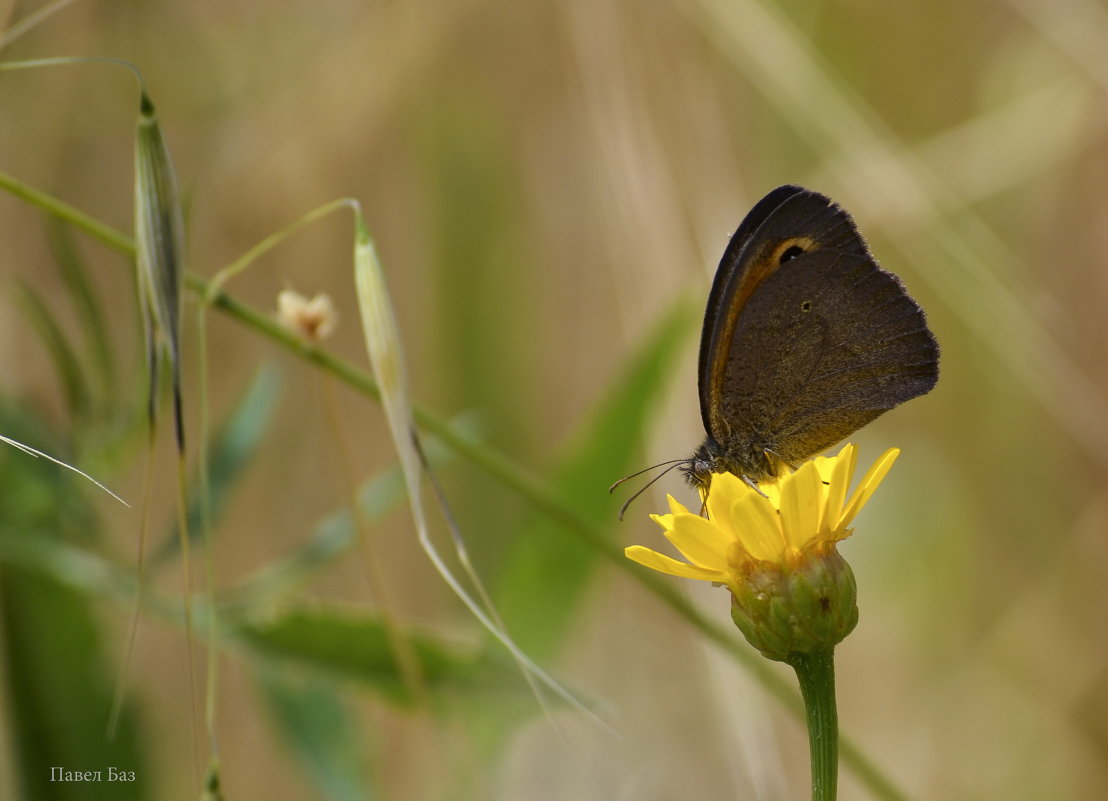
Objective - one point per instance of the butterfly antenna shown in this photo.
(647, 470)
(676, 463)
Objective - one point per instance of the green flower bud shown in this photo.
(802, 608)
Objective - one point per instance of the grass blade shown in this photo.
(88, 308)
(65, 358)
(382, 340)
(37, 453)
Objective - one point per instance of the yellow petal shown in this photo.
(675, 506)
(801, 505)
(701, 541)
(838, 483)
(760, 523)
(772, 490)
(826, 466)
(664, 564)
(665, 521)
(868, 484)
(726, 487)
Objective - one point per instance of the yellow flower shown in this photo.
(774, 549)
(799, 511)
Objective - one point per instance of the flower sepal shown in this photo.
(801, 608)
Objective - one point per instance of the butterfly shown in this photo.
(805, 340)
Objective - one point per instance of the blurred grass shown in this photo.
(542, 180)
(57, 676)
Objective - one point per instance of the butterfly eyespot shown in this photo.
(806, 305)
(790, 253)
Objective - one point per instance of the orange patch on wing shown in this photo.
(763, 264)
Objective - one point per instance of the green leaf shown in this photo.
(313, 721)
(237, 440)
(547, 572)
(59, 694)
(346, 644)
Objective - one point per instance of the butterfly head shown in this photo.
(752, 462)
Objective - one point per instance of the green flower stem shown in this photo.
(816, 673)
(512, 475)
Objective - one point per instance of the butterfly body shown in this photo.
(805, 340)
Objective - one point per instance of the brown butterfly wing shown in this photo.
(810, 341)
(826, 344)
(787, 218)
(728, 275)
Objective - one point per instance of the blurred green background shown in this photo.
(549, 183)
